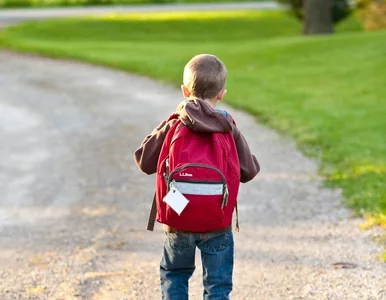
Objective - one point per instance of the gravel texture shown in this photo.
(73, 206)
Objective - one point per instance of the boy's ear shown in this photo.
(221, 95)
(185, 91)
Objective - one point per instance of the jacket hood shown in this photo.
(200, 116)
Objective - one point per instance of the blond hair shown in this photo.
(205, 76)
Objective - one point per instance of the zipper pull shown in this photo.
(227, 194)
(167, 167)
(225, 197)
(173, 186)
(166, 174)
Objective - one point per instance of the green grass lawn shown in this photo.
(326, 92)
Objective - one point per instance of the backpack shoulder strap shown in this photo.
(153, 210)
(237, 227)
(153, 214)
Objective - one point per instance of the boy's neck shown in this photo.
(212, 102)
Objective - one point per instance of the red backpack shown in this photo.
(205, 168)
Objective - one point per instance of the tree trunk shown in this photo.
(317, 17)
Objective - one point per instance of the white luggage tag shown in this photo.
(175, 199)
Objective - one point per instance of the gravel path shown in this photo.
(74, 206)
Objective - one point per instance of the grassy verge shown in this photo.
(328, 93)
(50, 3)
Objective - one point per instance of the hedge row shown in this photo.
(372, 13)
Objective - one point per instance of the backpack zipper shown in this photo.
(203, 182)
(195, 165)
(225, 188)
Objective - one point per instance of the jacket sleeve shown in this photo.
(249, 166)
(146, 156)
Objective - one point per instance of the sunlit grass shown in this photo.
(327, 92)
(374, 220)
(359, 171)
(188, 15)
(383, 257)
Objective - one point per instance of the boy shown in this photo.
(203, 87)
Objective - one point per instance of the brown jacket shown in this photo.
(198, 115)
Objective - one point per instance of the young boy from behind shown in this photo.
(203, 87)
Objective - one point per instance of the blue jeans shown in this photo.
(178, 264)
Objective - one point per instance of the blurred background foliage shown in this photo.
(340, 9)
(42, 3)
(372, 13)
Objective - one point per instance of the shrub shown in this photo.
(15, 3)
(340, 9)
(42, 3)
(372, 13)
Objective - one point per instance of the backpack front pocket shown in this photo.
(205, 188)
(203, 212)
